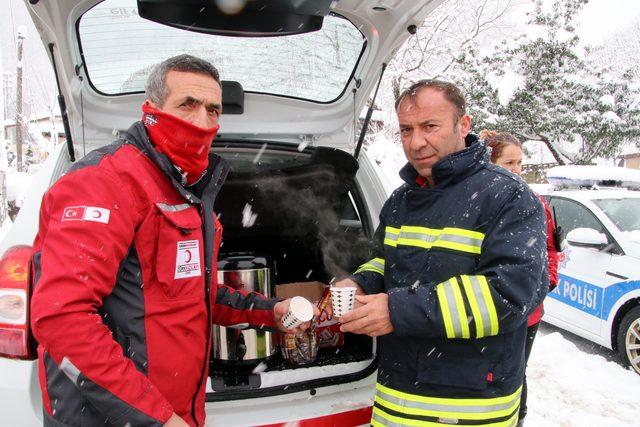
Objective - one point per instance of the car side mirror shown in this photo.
(587, 238)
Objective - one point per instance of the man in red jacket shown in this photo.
(124, 266)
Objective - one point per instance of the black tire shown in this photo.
(628, 338)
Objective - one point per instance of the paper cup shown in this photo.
(342, 300)
(300, 311)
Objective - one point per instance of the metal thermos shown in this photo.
(235, 345)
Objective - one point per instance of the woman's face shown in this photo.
(511, 159)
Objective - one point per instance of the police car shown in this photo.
(598, 294)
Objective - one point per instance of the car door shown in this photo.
(576, 304)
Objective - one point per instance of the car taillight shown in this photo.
(15, 341)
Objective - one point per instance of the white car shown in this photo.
(598, 294)
(290, 112)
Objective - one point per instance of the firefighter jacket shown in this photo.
(463, 264)
(125, 290)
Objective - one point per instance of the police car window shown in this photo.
(622, 212)
(571, 215)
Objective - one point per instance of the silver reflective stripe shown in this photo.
(70, 370)
(391, 236)
(173, 208)
(453, 308)
(379, 419)
(476, 288)
(376, 264)
(475, 409)
(471, 241)
(445, 237)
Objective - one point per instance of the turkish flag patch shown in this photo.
(86, 213)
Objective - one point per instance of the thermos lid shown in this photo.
(241, 261)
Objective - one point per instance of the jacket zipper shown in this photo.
(207, 289)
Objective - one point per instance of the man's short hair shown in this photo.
(450, 91)
(156, 89)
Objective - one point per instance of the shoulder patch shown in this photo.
(86, 213)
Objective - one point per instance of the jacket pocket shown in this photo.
(180, 257)
(464, 372)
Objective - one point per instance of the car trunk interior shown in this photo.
(302, 212)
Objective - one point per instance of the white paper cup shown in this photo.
(342, 300)
(300, 311)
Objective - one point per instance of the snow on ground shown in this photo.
(570, 387)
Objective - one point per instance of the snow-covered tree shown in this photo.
(541, 87)
(433, 50)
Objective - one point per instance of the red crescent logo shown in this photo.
(97, 214)
(188, 252)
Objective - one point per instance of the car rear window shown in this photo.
(120, 49)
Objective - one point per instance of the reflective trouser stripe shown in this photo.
(482, 307)
(411, 409)
(457, 239)
(376, 265)
(381, 419)
(452, 307)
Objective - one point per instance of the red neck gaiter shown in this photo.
(186, 144)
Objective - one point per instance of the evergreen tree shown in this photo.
(541, 87)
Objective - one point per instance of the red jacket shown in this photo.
(125, 291)
(552, 255)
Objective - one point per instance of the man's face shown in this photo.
(429, 130)
(193, 97)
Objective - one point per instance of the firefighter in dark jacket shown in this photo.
(459, 263)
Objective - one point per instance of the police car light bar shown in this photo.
(579, 176)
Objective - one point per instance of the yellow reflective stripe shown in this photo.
(375, 265)
(462, 313)
(476, 412)
(444, 308)
(379, 418)
(454, 231)
(448, 400)
(402, 407)
(458, 246)
(493, 314)
(448, 237)
(391, 236)
(421, 230)
(475, 309)
(453, 311)
(463, 232)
